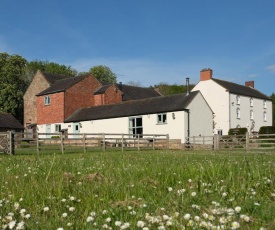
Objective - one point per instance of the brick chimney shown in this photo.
(249, 84)
(206, 74)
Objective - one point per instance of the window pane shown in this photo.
(164, 118)
(159, 118)
(139, 121)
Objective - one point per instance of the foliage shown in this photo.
(48, 67)
(273, 107)
(103, 73)
(12, 84)
(237, 131)
(110, 190)
(166, 89)
(267, 130)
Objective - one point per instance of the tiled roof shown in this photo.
(131, 92)
(241, 89)
(153, 105)
(51, 78)
(61, 85)
(8, 121)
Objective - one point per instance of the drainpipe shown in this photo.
(188, 125)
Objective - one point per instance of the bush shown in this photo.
(267, 130)
(55, 137)
(237, 131)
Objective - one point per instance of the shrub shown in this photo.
(55, 137)
(237, 131)
(267, 130)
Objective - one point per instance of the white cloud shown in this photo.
(271, 68)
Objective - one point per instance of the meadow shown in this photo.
(138, 190)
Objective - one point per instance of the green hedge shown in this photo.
(237, 131)
(267, 130)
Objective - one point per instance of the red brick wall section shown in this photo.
(52, 113)
(98, 99)
(81, 95)
(112, 96)
(206, 74)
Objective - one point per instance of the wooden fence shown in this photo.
(20, 142)
(17, 142)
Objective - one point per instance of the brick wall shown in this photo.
(38, 84)
(52, 113)
(81, 95)
(98, 99)
(112, 96)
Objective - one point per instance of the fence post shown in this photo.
(104, 144)
(138, 143)
(153, 142)
(11, 147)
(216, 142)
(37, 143)
(122, 142)
(84, 142)
(246, 141)
(167, 141)
(61, 143)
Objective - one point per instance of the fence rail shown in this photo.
(19, 142)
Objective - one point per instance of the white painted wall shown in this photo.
(245, 108)
(176, 125)
(201, 117)
(218, 99)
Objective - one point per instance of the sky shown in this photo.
(147, 41)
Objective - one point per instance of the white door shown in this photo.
(76, 130)
(48, 131)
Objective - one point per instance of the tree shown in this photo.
(273, 107)
(48, 67)
(12, 84)
(166, 89)
(103, 73)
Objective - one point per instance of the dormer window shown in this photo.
(238, 99)
(264, 104)
(251, 102)
(47, 100)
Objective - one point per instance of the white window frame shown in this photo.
(251, 114)
(264, 104)
(251, 102)
(238, 100)
(136, 129)
(58, 128)
(238, 113)
(47, 100)
(265, 116)
(162, 118)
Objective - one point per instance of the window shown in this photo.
(238, 113)
(251, 102)
(265, 116)
(162, 118)
(135, 126)
(264, 104)
(238, 100)
(251, 114)
(57, 128)
(47, 100)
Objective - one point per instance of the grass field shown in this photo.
(138, 190)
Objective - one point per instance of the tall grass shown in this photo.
(138, 190)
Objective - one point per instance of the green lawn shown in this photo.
(138, 190)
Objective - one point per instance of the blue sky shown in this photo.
(147, 41)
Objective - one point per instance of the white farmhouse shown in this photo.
(234, 105)
(181, 116)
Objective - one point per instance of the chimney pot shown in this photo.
(249, 84)
(206, 74)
